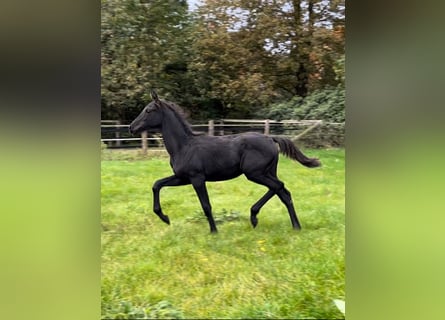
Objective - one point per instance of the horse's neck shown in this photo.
(174, 134)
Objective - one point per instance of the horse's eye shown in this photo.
(148, 110)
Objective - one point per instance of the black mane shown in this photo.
(181, 116)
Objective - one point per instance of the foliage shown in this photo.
(141, 47)
(327, 105)
(280, 111)
(226, 60)
(251, 53)
(339, 69)
(267, 272)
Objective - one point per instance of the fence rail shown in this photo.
(309, 132)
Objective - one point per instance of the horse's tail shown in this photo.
(288, 148)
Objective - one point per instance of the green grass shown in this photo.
(153, 270)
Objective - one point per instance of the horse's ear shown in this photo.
(154, 96)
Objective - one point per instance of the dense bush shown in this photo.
(327, 104)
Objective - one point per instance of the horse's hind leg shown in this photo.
(275, 187)
(286, 198)
(257, 207)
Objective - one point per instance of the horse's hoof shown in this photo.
(165, 219)
(254, 221)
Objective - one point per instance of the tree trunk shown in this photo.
(300, 53)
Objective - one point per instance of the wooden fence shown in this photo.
(312, 133)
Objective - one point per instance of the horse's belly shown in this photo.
(222, 177)
(223, 173)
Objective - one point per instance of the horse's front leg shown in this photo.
(157, 186)
(201, 190)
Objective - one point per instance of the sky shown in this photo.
(193, 4)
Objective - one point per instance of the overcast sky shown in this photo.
(193, 4)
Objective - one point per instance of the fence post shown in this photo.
(267, 127)
(211, 128)
(117, 134)
(144, 142)
(221, 131)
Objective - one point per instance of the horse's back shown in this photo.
(254, 140)
(238, 144)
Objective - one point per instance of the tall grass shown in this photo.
(152, 270)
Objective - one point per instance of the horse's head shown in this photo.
(150, 117)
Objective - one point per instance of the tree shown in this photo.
(229, 59)
(251, 52)
(141, 46)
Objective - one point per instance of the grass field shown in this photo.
(152, 270)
